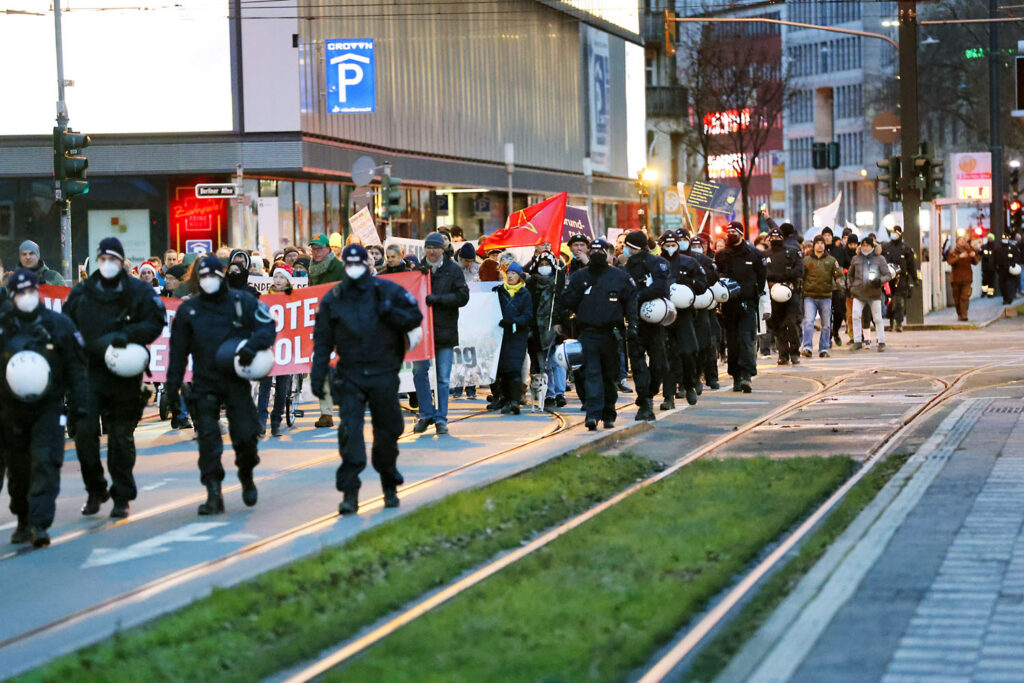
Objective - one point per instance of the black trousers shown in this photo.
(601, 373)
(681, 347)
(1008, 285)
(740, 323)
(120, 409)
(380, 394)
(35, 439)
(785, 325)
(897, 308)
(243, 428)
(988, 281)
(648, 360)
(838, 312)
(707, 345)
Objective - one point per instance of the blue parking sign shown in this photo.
(350, 76)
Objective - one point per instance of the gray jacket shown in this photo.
(866, 276)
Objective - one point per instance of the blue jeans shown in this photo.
(823, 308)
(283, 386)
(443, 359)
(556, 377)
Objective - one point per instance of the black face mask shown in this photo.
(598, 260)
(733, 239)
(775, 244)
(237, 278)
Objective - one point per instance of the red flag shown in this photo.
(537, 224)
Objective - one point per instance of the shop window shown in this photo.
(268, 188)
(302, 234)
(286, 212)
(332, 207)
(316, 209)
(6, 220)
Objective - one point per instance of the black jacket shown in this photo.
(545, 293)
(784, 264)
(742, 263)
(651, 275)
(130, 307)
(54, 336)
(601, 297)
(901, 256)
(364, 321)
(448, 293)
(708, 264)
(686, 270)
(518, 311)
(203, 323)
(1006, 254)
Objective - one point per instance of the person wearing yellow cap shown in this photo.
(336, 243)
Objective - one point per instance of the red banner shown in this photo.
(295, 315)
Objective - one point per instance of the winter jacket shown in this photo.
(962, 261)
(448, 293)
(862, 285)
(545, 291)
(901, 256)
(820, 276)
(744, 264)
(48, 276)
(516, 319)
(334, 272)
(784, 264)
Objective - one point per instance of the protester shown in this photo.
(238, 272)
(546, 286)
(516, 318)
(962, 259)
(821, 273)
(988, 266)
(291, 253)
(171, 259)
(324, 268)
(468, 263)
(147, 274)
(394, 261)
(281, 384)
(28, 256)
(489, 269)
(868, 272)
(337, 244)
(376, 253)
(173, 278)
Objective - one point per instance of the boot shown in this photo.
(646, 411)
(783, 359)
(92, 505)
(21, 534)
(691, 397)
(794, 359)
(745, 385)
(39, 537)
(214, 500)
(514, 391)
(249, 492)
(391, 496)
(699, 388)
(120, 509)
(669, 403)
(736, 382)
(713, 385)
(349, 503)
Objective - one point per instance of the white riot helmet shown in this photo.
(658, 312)
(227, 357)
(569, 355)
(28, 375)
(720, 292)
(1014, 269)
(705, 300)
(681, 295)
(781, 292)
(892, 270)
(413, 338)
(129, 361)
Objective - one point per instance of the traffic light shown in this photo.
(832, 155)
(928, 175)
(1014, 178)
(819, 155)
(392, 196)
(670, 33)
(1016, 215)
(68, 167)
(890, 179)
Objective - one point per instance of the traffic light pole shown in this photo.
(997, 212)
(910, 136)
(62, 122)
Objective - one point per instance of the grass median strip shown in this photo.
(720, 651)
(287, 616)
(598, 601)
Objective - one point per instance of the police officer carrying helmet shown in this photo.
(681, 340)
(647, 356)
(740, 261)
(369, 322)
(705, 321)
(602, 297)
(43, 360)
(211, 327)
(900, 255)
(785, 266)
(112, 310)
(1007, 255)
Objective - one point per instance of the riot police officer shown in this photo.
(43, 358)
(602, 298)
(112, 310)
(901, 256)
(1007, 255)
(647, 355)
(785, 266)
(212, 327)
(705, 321)
(681, 339)
(988, 266)
(369, 322)
(740, 261)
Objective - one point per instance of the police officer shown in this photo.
(32, 415)
(1007, 254)
(602, 297)
(111, 309)
(217, 320)
(647, 356)
(681, 339)
(369, 322)
(988, 266)
(901, 256)
(740, 261)
(784, 265)
(705, 321)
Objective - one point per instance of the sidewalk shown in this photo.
(928, 583)
(982, 313)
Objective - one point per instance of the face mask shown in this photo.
(627, 251)
(109, 269)
(355, 272)
(545, 271)
(27, 302)
(599, 258)
(684, 244)
(697, 249)
(210, 285)
(671, 250)
(734, 239)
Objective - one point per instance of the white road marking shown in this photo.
(156, 545)
(153, 487)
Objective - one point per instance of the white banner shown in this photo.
(599, 86)
(364, 227)
(262, 283)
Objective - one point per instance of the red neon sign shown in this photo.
(723, 122)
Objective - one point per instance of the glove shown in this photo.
(631, 334)
(432, 299)
(505, 323)
(246, 356)
(119, 340)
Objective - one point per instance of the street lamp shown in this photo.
(644, 179)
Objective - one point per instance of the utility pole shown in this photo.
(997, 217)
(910, 137)
(62, 122)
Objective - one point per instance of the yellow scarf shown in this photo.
(513, 289)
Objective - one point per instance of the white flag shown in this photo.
(826, 215)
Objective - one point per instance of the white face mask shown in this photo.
(355, 272)
(544, 270)
(684, 244)
(210, 285)
(670, 250)
(697, 249)
(27, 302)
(109, 269)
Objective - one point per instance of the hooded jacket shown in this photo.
(862, 285)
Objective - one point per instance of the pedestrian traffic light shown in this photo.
(832, 155)
(890, 178)
(69, 168)
(928, 175)
(670, 33)
(819, 155)
(392, 196)
(1016, 215)
(1014, 178)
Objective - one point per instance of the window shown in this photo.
(800, 153)
(302, 235)
(802, 107)
(285, 211)
(6, 220)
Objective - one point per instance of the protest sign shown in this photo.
(712, 197)
(364, 227)
(576, 222)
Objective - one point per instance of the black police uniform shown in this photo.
(742, 263)
(202, 324)
(898, 254)
(32, 430)
(5, 308)
(988, 269)
(842, 256)
(116, 312)
(365, 322)
(647, 356)
(784, 264)
(602, 297)
(705, 326)
(1007, 253)
(681, 341)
